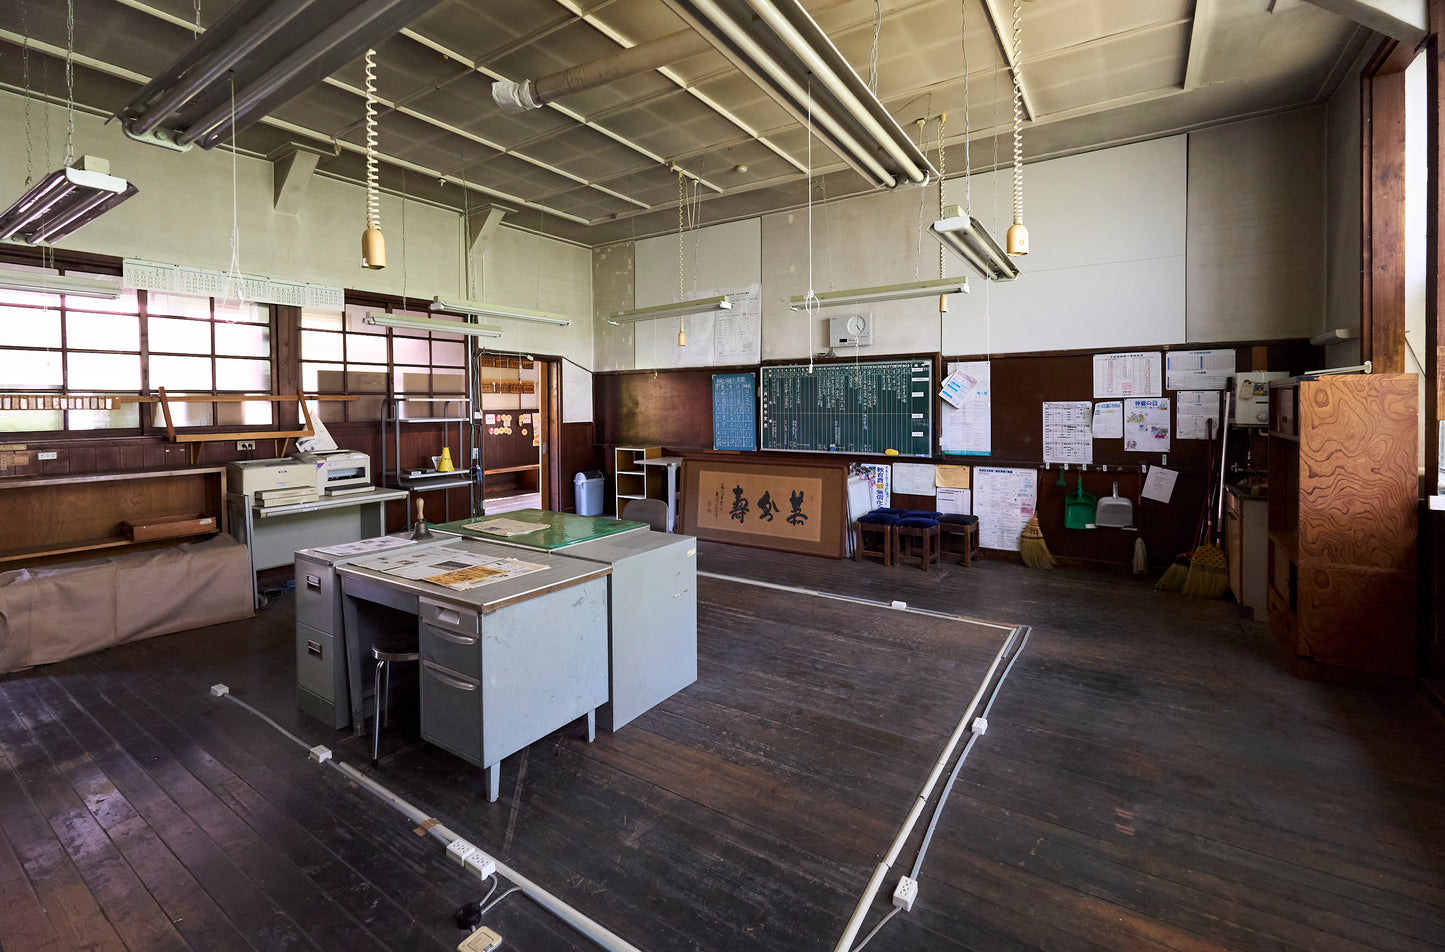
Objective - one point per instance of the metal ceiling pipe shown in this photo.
(644, 57)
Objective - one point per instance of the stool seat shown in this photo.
(389, 647)
(916, 537)
(873, 536)
(958, 533)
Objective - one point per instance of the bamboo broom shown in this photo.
(1032, 547)
(1208, 567)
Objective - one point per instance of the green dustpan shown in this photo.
(1079, 508)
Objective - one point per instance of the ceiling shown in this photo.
(598, 166)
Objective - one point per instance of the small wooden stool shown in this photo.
(916, 537)
(958, 533)
(873, 537)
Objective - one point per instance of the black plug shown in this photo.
(469, 916)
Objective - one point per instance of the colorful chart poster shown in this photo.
(1146, 425)
(1003, 499)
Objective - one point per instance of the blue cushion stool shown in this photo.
(873, 537)
(916, 537)
(958, 533)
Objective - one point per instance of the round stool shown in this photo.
(873, 537)
(958, 533)
(390, 648)
(916, 537)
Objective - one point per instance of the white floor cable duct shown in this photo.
(587, 927)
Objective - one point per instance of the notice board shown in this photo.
(734, 411)
(864, 407)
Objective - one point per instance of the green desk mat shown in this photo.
(563, 528)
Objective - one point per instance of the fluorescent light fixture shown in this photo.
(966, 237)
(58, 284)
(1336, 336)
(426, 324)
(271, 50)
(477, 309)
(681, 309)
(883, 292)
(777, 45)
(63, 201)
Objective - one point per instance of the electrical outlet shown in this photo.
(906, 892)
(483, 940)
(245, 444)
(44, 455)
(480, 863)
(459, 850)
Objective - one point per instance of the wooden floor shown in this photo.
(1152, 778)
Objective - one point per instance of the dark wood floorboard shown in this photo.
(1152, 778)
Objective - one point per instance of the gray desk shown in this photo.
(274, 533)
(502, 665)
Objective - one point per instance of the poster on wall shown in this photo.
(715, 338)
(1197, 410)
(1004, 500)
(965, 425)
(1146, 425)
(1109, 420)
(1199, 370)
(1128, 375)
(1068, 431)
(880, 483)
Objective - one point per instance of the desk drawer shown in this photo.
(318, 663)
(451, 712)
(459, 651)
(316, 601)
(461, 620)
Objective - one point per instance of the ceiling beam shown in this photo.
(1405, 20)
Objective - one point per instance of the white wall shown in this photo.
(183, 215)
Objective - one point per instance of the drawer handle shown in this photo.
(450, 681)
(314, 648)
(449, 616)
(313, 582)
(448, 636)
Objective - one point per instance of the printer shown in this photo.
(272, 482)
(300, 478)
(341, 471)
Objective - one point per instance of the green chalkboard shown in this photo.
(865, 407)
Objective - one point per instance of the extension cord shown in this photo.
(906, 892)
(483, 940)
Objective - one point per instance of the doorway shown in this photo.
(516, 400)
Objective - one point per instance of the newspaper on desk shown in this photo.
(451, 568)
(505, 527)
(364, 546)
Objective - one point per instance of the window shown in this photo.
(340, 354)
(83, 347)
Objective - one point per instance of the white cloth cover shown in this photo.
(56, 612)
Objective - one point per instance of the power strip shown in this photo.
(483, 940)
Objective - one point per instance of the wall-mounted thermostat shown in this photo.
(849, 330)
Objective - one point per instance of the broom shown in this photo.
(1208, 568)
(1035, 552)
(1175, 576)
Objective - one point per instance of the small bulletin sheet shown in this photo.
(1069, 431)
(1197, 410)
(1128, 375)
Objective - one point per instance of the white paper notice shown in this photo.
(738, 333)
(1128, 375)
(955, 385)
(1159, 484)
(1068, 432)
(967, 430)
(1197, 408)
(913, 479)
(1109, 420)
(1146, 425)
(1198, 370)
(1003, 500)
(954, 500)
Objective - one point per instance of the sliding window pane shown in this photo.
(126, 416)
(172, 336)
(178, 305)
(31, 421)
(127, 303)
(184, 414)
(243, 340)
(30, 298)
(31, 370)
(180, 373)
(356, 320)
(311, 380)
(29, 327)
(410, 350)
(107, 372)
(319, 345)
(234, 312)
(445, 353)
(323, 320)
(102, 331)
(253, 376)
(369, 349)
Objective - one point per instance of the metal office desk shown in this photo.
(652, 602)
(563, 529)
(502, 665)
(273, 534)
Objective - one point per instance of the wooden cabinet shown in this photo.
(1342, 519)
(51, 518)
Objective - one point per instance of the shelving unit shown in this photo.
(632, 477)
(416, 480)
(1342, 520)
(664, 481)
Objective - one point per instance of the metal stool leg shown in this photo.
(379, 691)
